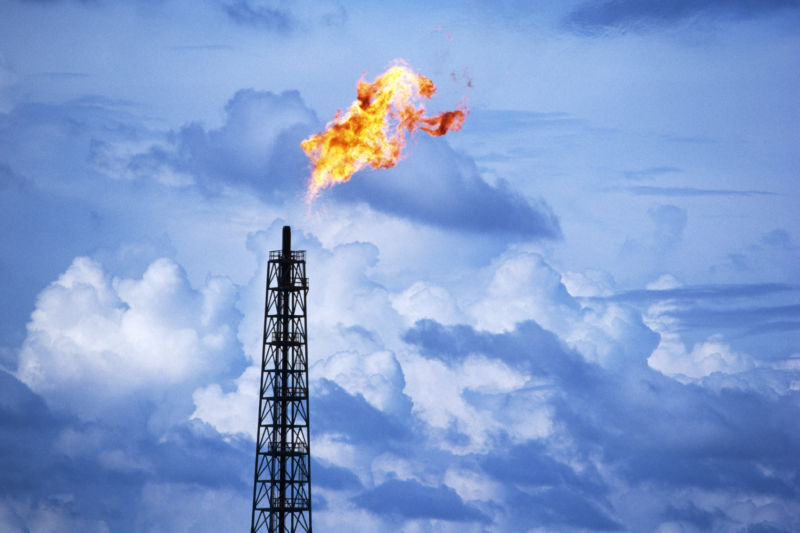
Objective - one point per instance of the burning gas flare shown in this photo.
(373, 131)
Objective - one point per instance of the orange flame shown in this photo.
(372, 132)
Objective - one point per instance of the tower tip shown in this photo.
(287, 240)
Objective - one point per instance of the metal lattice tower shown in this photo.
(282, 484)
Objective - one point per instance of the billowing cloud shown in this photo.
(494, 425)
(115, 338)
(258, 146)
(628, 431)
(524, 287)
(426, 300)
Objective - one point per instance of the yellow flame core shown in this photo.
(372, 131)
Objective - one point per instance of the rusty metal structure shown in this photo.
(282, 481)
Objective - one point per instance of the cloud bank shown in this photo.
(641, 14)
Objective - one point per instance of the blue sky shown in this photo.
(581, 312)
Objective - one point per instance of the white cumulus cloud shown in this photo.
(95, 341)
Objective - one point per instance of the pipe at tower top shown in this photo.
(287, 241)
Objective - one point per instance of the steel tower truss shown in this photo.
(282, 485)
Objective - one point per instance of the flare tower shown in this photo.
(282, 484)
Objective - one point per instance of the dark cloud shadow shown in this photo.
(99, 472)
(561, 507)
(644, 190)
(529, 348)
(27, 429)
(339, 412)
(642, 15)
(765, 527)
(650, 173)
(248, 13)
(700, 518)
(701, 292)
(541, 470)
(334, 477)
(412, 500)
(736, 318)
(438, 186)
